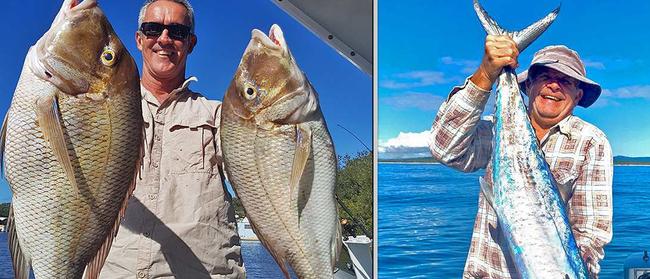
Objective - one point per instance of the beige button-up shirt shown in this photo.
(179, 223)
(578, 154)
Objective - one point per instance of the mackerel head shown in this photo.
(530, 208)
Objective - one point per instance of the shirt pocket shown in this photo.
(565, 180)
(192, 147)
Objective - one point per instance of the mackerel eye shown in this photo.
(250, 93)
(108, 57)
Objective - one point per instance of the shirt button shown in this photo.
(153, 196)
(157, 138)
(154, 165)
(141, 274)
(147, 235)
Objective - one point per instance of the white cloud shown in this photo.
(422, 101)
(594, 64)
(609, 97)
(628, 92)
(415, 79)
(467, 66)
(405, 145)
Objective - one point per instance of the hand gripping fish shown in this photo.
(530, 209)
(280, 159)
(71, 145)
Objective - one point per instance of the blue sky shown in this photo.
(427, 47)
(223, 29)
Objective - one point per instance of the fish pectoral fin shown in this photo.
(487, 193)
(20, 261)
(303, 150)
(49, 119)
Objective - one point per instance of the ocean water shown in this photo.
(426, 214)
(259, 263)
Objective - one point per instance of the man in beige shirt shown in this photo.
(180, 221)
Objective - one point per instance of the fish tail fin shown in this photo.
(20, 261)
(522, 38)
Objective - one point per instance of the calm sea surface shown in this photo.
(426, 214)
(258, 261)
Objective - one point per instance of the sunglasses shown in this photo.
(175, 31)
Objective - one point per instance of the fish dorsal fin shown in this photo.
(303, 151)
(487, 192)
(336, 244)
(3, 140)
(20, 261)
(280, 259)
(47, 113)
(522, 38)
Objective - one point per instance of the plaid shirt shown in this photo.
(578, 155)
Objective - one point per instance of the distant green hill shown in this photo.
(618, 160)
(625, 160)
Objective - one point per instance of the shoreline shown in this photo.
(435, 163)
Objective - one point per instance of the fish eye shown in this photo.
(108, 57)
(250, 92)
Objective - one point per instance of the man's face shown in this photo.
(163, 56)
(551, 96)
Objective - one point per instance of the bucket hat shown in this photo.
(566, 61)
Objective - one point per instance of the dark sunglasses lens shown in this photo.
(178, 32)
(152, 28)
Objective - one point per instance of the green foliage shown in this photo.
(4, 209)
(239, 208)
(354, 189)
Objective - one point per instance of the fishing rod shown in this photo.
(355, 136)
(354, 220)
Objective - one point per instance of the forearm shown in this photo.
(459, 138)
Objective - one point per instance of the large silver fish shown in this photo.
(529, 205)
(71, 145)
(280, 158)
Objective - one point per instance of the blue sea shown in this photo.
(259, 263)
(426, 214)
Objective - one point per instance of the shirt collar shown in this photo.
(565, 126)
(150, 98)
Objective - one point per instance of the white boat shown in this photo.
(245, 230)
(359, 248)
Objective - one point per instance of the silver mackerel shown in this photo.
(530, 209)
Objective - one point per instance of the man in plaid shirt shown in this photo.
(577, 152)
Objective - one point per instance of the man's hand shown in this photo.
(500, 51)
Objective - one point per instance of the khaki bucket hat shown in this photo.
(566, 61)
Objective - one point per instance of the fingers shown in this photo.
(501, 51)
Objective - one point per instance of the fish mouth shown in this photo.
(47, 66)
(275, 39)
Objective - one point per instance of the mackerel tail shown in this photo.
(529, 206)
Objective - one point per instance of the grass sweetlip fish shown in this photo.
(280, 158)
(71, 145)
